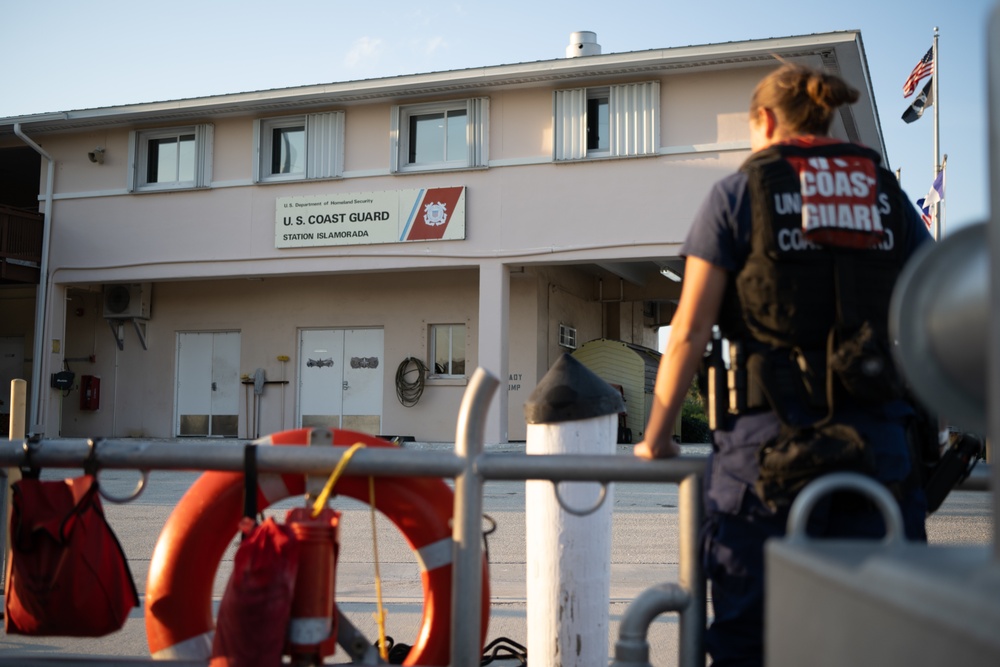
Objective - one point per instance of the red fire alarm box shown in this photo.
(90, 392)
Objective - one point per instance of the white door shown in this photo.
(208, 384)
(363, 371)
(340, 379)
(321, 377)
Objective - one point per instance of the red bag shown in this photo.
(67, 574)
(257, 603)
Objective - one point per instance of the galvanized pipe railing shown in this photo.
(690, 574)
(115, 454)
(467, 576)
(468, 466)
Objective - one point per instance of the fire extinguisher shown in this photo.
(312, 628)
(90, 392)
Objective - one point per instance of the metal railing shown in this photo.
(469, 465)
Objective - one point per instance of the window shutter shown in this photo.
(570, 111)
(478, 117)
(394, 133)
(257, 146)
(133, 161)
(325, 145)
(634, 115)
(203, 137)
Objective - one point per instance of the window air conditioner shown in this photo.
(127, 301)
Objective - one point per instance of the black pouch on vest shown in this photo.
(865, 369)
(789, 381)
(797, 456)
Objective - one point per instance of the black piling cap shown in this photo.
(571, 392)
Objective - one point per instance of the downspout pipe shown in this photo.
(41, 300)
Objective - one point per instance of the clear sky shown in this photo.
(60, 55)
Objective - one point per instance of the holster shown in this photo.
(957, 461)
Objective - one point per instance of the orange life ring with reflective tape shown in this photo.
(179, 622)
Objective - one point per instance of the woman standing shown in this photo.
(793, 258)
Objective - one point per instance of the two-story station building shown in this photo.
(246, 263)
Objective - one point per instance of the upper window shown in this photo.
(445, 135)
(610, 121)
(170, 158)
(299, 147)
(448, 350)
(598, 141)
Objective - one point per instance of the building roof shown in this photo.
(841, 52)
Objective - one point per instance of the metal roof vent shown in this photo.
(583, 43)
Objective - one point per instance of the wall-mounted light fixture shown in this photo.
(667, 273)
(96, 156)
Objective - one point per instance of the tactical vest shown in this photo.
(800, 305)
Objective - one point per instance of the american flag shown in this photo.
(924, 68)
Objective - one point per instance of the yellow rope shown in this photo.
(318, 507)
(334, 476)
(380, 613)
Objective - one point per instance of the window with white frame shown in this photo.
(567, 336)
(440, 135)
(598, 126)
(447, 353)
(607, 121)
(170, 158)
(299, 147)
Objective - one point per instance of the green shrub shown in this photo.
(695, 430)
(694, 422)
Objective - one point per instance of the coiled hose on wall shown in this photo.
(408, 390)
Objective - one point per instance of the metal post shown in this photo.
(993, 358)
(689, 574)
(568, 534)
(467, 554)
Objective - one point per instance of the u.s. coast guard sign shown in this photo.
(357, 218)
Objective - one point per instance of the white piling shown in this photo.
(568, 546)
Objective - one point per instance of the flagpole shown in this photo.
(942, 217)
(937, 151)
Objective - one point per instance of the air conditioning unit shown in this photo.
(127, 301)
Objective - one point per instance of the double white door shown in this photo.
(340, 379)
(208, 384)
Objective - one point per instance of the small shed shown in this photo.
(631, 366)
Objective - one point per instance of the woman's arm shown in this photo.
(690, 331)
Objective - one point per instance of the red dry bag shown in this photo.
(256, 605)
(67, 574)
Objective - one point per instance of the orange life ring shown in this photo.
(179, 623)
